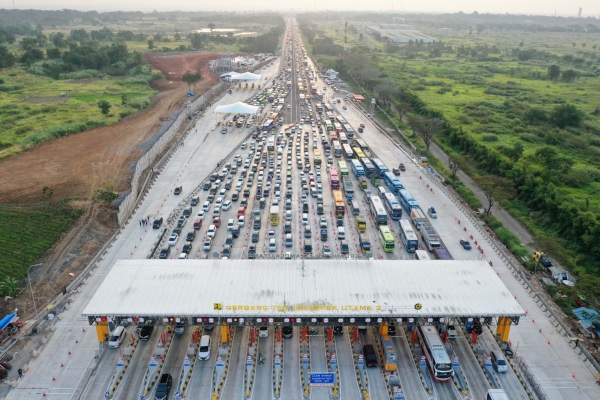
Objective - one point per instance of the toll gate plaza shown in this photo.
(309, 292)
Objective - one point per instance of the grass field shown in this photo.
(27, 232)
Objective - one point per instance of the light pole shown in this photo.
(30, 288)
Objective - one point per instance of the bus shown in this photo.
(330, 117)
(348, 129)
(302, 98)
(435, 353)
(369, 167)
(334, 179)
(496, 394)
(361, 143)
(271, 145)
(387, 238)
(274, 215)
(392, 206)
(406, 200)
(328, 108)
(343, 137)
(320, 97)
(392, 182)
(333, 136)
(347, 151)
(357, 168)
(317, 159)
(343, 168)
(380, 167)
(377, 210)
(337, 148)
(340, 206)
(329, 126)
(421, 255)
(268, 125)
(358, 153)
(408, 236)
(338, 129)
(319, 109)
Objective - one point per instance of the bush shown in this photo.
(489, 138)
(10, 88)
(140, 103)
(83, 74)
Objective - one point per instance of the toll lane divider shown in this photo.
(116, 380)
(150, 381)
(218, 386)
(428, 388)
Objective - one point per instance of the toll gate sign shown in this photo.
(321, 379)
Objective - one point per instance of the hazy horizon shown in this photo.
(591, 8)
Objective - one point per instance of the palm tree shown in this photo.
(211, 26)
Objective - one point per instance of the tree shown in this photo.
(553, 72)
(211, 26)
(454, 167)
(566, 115)
(104, 107)
(9, 287)
(150, 44)
(569, 75)
(426, 128)
(106, 194)
(386, 90)
(123, 99)
(53, 53)
(553, 164)
(191, 78)
(494, 186)
(7, 59)
(361, 36)
(516, 152)
(177, 36)
(197, 41)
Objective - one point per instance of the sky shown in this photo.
(591, 8)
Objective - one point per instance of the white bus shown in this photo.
(496, 394)
(378, 211)
(347, 151)
(408, 236)
(421, 255)
(337, 149)
(435, 353)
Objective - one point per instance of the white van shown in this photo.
(355, 207)
(341, 233)
(304, 219)
(116, 337)
(204, 351)
(498, 361)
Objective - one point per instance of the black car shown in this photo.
(256, 223)
(477, 327)
(187, 248)
(370, 355)
(146, 331)
(287, 332)
(229, 240)
(252, 251)
(206, 186)
(164, 253)
(338, 330)
(288, 227)
(305, 207)
(178, 190)
(391, 330)
(164, 387)
(190, 236)
(187, 212)
(157, 223)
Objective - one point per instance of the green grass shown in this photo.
(27, 232)
(26, 118)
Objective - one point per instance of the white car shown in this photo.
(226, 205)
(173, 239)
(271, 234)
(326, 250)
(201, 214)
(323, 223)
(263, 331)
(212, 230)
(207, 243)
(241, 221)
(230, 224)
(217, 212)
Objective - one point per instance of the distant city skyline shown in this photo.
(590, 8)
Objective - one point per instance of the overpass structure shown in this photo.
(302, 292)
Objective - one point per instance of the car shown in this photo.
(187, 212)
(452, 334)
(191, 235)
(287, 332)
(287, 227)
(338, 329)
(145, 331)
(396, 171)
(164, 253)
(323, 222)
(256, 223)
(179, 328)
(465, 244)
(402, 167)
(432, 212)
(216, 221)
(272, 245)
(241, 221)
(370, 355)
(187, 248)
(178, 190)
(157, 223)
(226, 252)
(226, 205)
(207, 244)
(206, 186)
(326, 250)
(313, 330)
(173, 239)
(212, 230)
(181, 222)
(252, 251)
(164, 386)
(263, 331)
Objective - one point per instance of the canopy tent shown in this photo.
(4, 322)
(246, 76)
(229, 74)
(237, 108)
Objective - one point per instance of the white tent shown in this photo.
(229, 74)
(237, 108)
(246, 76)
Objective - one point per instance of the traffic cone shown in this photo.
(53, 379)
(69, 352)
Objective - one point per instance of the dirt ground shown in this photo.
(76, 165)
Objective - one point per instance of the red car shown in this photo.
(217, 221)
(402, 167)
(362, 126)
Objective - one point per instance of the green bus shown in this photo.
(387, 238)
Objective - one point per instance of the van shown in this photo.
(204, 351)
(498, 361)
(355, 207)
(304, 219)
(198, 223)
(341, 233)
(116, 337)
(307, 246)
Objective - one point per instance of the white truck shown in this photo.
(430, 237)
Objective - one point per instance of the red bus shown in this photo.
(334, 179)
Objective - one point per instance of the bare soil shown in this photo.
(76, 165)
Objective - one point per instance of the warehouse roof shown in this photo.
(336, 287)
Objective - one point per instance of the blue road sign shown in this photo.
(322, 379)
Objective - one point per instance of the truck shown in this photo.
(361, 224)
(348, 188)
(362, 182)
(432, 213)
(539, 257)
(418, 217)
(430, 237)
(561, 277)
(442, 253)
(375, 179)
(364, 242)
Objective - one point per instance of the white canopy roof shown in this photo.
(237, 108)
(246, 76)
(336, 287)
(232, 73)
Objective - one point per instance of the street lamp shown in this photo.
(30, 288)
